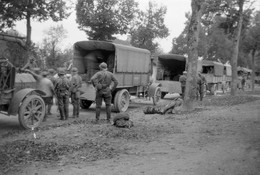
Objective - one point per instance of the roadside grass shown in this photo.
(229, 100)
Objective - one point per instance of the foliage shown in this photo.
(101, 19)
(148, 27)
(40, 10)
(251, 41)
(218, 26)
(50, 51)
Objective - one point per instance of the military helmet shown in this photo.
(36, 70)
(61, 71)
(74, 69)
(45, 73)
(51, 71)
(103, 65)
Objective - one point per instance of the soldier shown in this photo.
(45, 85)
(182, 80)
(76, 82)
(31, 64)
(201, 82)
(102, 81)
(62, 87)
(51, 73)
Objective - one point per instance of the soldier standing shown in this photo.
(62, 86)
(45, 85)
(102, 81)
(76, 82)
(51, 73)
(182, 80)
(201, 82)
(31, 64)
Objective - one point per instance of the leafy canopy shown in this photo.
(101, 19)
(41, 10)
(149, 26)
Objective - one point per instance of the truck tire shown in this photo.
(85, 104)
(121, 101)
(31, 112)
(157, 95)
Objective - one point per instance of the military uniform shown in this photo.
(31, 64)
(102, 81)
(76, 82)
(62, 87)
(201, 81)
(182, 80)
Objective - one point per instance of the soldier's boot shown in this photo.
(66, 110)
(49, 109)
(98, 109)
(108, 110)
(74, 115)
(77, 111)
(62, 114)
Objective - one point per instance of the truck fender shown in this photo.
(152, 89)
(19, 97)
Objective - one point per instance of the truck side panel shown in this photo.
(132, 79)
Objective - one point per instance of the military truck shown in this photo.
(17, 90)
(167, 71)
(130, 65)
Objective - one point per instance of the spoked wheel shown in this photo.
(157, 95)
(122, 100)
(31, 112)
(85, 104)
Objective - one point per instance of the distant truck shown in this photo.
(217, 74)
(167, 72)
(130, 65)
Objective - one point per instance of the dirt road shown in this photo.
(220, 138)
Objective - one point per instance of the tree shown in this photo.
(251, 44)
(101, 19)
(50, 49)
(148, 27)
(40, 10)
(193, 38)
(236, 47)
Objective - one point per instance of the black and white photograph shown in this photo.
(129, 87)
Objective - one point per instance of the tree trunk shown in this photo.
(28, 24)
(193, 37)
(234, 58)
(253, 71)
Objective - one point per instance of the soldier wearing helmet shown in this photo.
(102, 81)
(62, 87)
(76, 82)
(31, 64)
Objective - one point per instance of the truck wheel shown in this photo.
(122, 100)
(157, 95)
(85, 104)
(31, 112)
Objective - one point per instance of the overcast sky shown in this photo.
(174, 20)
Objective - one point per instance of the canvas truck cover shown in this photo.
(218, 67)
(228, 69)
(127, 59)
(172, 62)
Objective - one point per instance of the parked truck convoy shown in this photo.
(130, 65)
